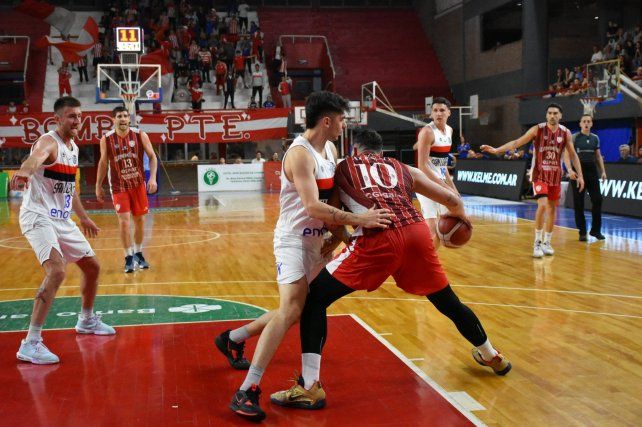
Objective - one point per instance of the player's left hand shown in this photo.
(89, 227)
(580, 183)
(152, 187)
(572, 175)
(603, 177)
(329, 245)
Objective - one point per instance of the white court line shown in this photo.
(417, 359)
(421, 374)
(385, 333)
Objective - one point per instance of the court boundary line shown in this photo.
(419, 372)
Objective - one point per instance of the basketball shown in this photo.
(453, 232)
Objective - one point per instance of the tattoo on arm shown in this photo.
(338, 216)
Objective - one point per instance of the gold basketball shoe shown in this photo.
(298, 397)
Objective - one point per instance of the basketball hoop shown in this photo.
(129, 99)
(589, 104)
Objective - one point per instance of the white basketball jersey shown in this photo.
(438, 156)
(52, 187)
(294, 224)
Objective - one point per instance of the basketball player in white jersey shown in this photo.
(434, 144)
(307, 178)
(48, 177)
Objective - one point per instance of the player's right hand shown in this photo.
(19, 181)
(100, 194)
(376, 218)
(488, 149)
(459, 215)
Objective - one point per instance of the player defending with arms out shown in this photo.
(307, 178)
(121, 155)
(404, 251)
(550, 139)
(433, 147)
(48, 177)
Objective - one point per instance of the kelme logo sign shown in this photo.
(210, 177)
(128, 310)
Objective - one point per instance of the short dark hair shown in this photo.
(368, 139)
(586, 115)
(441, 100)
(554, 105)
(117, 110)
(321, 103)
(65, 101)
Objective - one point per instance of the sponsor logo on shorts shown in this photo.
(278, 268)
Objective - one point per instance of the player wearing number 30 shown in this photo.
(121, 150)
(48, 177)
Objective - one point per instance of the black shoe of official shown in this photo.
(597, 235)
(583, 237)
(129, 264)
(246, 404)
(232, 351)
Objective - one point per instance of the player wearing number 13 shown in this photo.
(48, 177)
(121, 152)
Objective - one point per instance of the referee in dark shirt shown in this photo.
(587, 146)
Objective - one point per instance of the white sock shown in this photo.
(487, 351)
(86, 313)
(311, 363)
(254, 376)
(129, 251)
(547, 237)
(34, 333)
(239, 335)
(538, 235)
(138, 248)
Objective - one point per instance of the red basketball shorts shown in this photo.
(406, 253)
(542, 189)
(133, 200)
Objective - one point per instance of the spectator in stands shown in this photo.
(230, 88)
(197, 96)
(275, 156)
(597, 54)
(239, 67)
(258, 158)
(625, 154)
(638, 76)
(268, 102)
(242, 12)
(82, 69)
(257, 83)
(192, 55)
(221, 73)
(194, 157)
(640, 155)
(64, 76)
(205, 59)
(284, 90)
(98, 53)
(463, 148)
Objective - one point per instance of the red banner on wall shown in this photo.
(22, 130)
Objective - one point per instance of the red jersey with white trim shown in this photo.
(547, 149)
(370, 180)
(125, 156)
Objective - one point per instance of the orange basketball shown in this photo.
(453, 232)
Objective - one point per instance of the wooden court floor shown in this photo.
(570, 324)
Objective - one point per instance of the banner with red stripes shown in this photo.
(22, 130)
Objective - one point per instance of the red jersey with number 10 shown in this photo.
(548, 147)
(125, 156)
(370, 180)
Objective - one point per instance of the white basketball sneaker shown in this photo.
(547, 249)
(36, 352)
(537, 250)
(93, 325)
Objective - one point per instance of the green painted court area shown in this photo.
(119, 310)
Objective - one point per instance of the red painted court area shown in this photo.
(173, 375)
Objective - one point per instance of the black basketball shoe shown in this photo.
(232, 351)
(246, 404)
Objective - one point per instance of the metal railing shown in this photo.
(24, 71)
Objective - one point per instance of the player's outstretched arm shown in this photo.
(301, 166)
(152, 185)
(439, 194)
(512, 145)
(45, 149)
(101, 170)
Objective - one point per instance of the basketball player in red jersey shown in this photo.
(121, 154)
(404, 251)
(549, 140)
(435, 140)
(48, 177)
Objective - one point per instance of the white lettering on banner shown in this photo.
(621, 189)
(495, 178)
